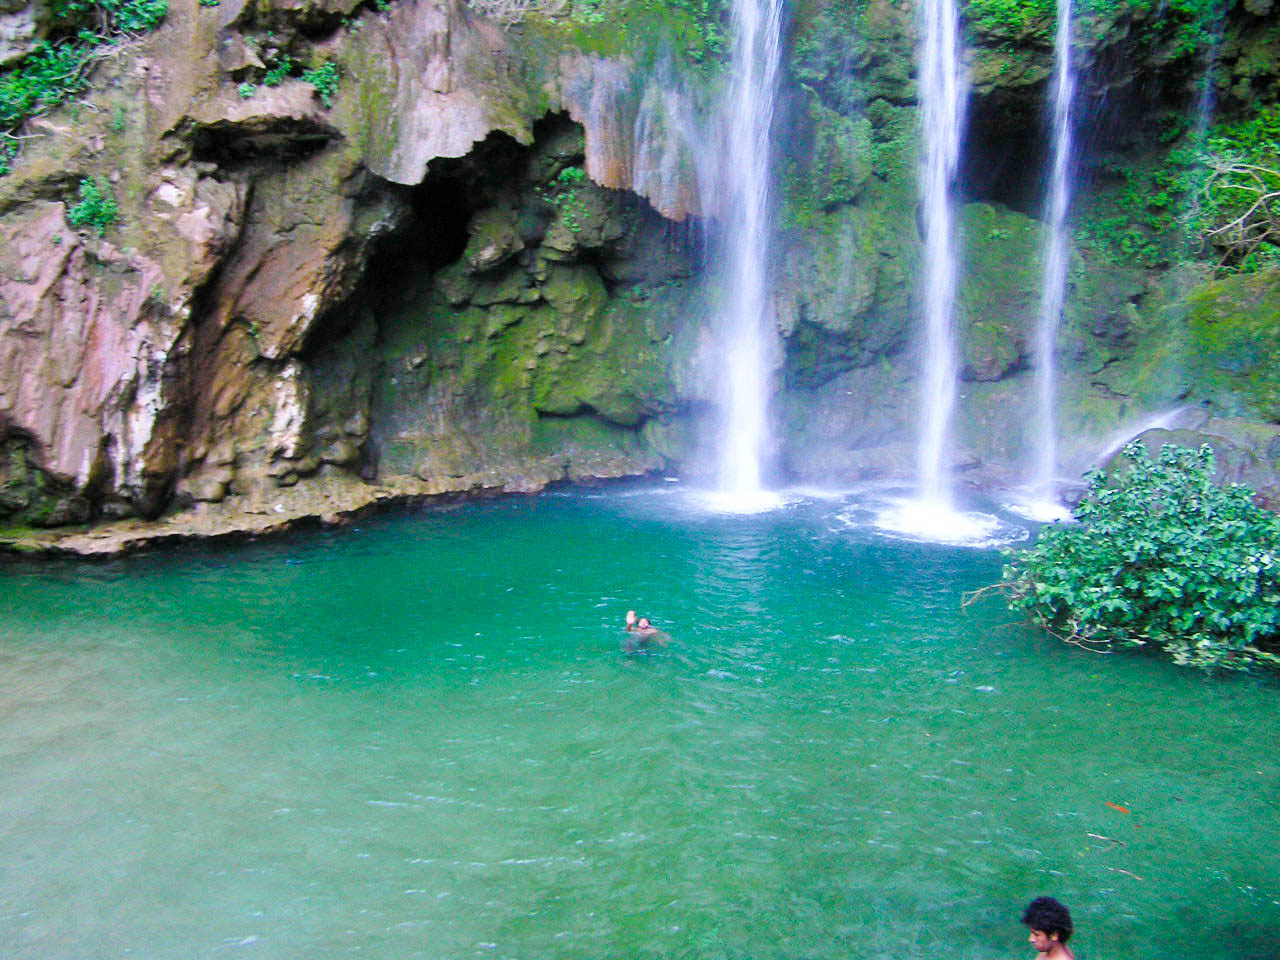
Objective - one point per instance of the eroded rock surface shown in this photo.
(219, 344)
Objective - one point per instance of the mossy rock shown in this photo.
(999, 292)
(844, 300)
(831, 158)
(1235, 460)
(577, 293)
(615, 370)
(493, 238)
(1234, 339)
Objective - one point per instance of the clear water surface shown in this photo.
(419, 737)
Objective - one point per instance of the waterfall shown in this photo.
(1057, 253)
(744, 195)
(942, 98)
(932, 516)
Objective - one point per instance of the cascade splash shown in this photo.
(942, 108)
(744, 187)
(1043, 497)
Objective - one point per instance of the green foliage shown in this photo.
(324, 79)
(1177, 28)
(1217, 199)
(1162, 555)
(50, 75)
(707, 17)
(107, 19)
(1009, 18)
(132, 16)
(279, 72)
(56, 69)
(572, 175)
(562, 193)
(1180, 28)
(1237, 201)
(96, 207)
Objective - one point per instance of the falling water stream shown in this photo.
(745, 206)
(932, 515)
(943, 104)
(1043, 498)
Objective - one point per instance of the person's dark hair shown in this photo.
(1047, 914)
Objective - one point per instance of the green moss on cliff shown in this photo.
(999, 289)
(641, 30)
(1235, 343)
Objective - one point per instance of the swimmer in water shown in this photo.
(642, 633)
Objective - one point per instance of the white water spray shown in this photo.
(942, 100)
(1057, 253)
(745, 206)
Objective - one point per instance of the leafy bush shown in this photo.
(1161, 554)
(1237, 206)
(97, 206)
(1214, 197)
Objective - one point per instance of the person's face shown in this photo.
(1043, 942)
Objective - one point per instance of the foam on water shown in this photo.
(1039, 509)
(931, 521)
(741, 502)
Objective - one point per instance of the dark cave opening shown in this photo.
(1008, 141)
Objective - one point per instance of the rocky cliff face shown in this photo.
(480, 266)
(443, 280)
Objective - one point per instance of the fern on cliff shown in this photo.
(57, 69)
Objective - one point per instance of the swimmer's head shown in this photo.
(1050, 923)
(644, 623)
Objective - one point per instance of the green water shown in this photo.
(419, 738)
